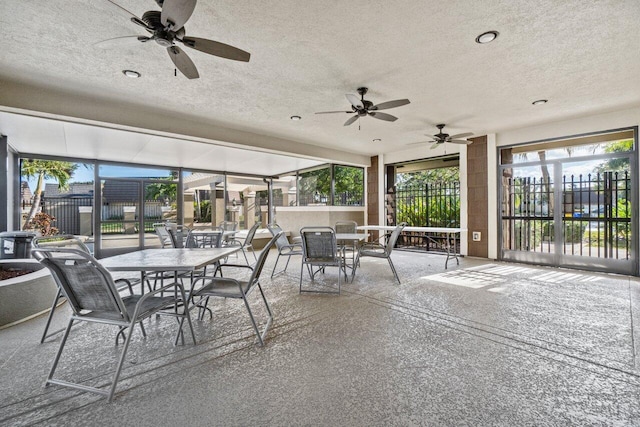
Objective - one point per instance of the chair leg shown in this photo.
(262, 335)
(275, 265)
(186, 313)
(355, 266)
(395, 273)
(53, 308)
(253, 251)
(62, 344)
(114, 382)
(245, 256)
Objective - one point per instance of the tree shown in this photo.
(619, 164)
(46, 169)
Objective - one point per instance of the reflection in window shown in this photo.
(314, 187)
(349, 186)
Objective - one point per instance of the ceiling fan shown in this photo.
(361, 107)
(441, 138)
(166, 27)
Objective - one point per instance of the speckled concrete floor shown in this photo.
(484, 343)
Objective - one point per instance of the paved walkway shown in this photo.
(485, 343)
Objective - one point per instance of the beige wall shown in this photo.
(294, 218)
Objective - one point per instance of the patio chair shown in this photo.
(248, 242)
(227, 287)
(93, 297)
(377, 250)
(320, 250)
(348, 227)
(284, 247)
(178, 235)
(70, 242)
(162, 233)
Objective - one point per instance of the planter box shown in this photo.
(27, 295)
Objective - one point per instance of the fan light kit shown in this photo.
(166, 27)
(130, 73)
(362, 108)
(295, 118)
(487, 37)
(540, 102)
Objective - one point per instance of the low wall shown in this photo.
(292, 219)
(26, 295)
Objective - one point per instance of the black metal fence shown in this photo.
(595, 211)
(66, 212)
(428, 205)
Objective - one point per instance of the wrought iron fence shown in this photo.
(428, 205)
(66, 212)
(595, 211)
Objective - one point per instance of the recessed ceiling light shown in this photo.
(540, 102)
(487, 37)
(131, 73)
(295, 118)
(377, 140)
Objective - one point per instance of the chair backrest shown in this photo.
(60, 241)
(257, 269)
(178, 235)
(394, 238)
(252, 233)
(282, 240)
(87, 285)
(346, 227)
(319, 243)
(162, 233)
(228, 225)
(205, 239)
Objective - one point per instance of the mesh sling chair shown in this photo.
(348, 227)
(162, 233)
(284, 247)
(320, 249)
(227, 287)
(377, 250)
(248, 242)
(70, 242)
(93, 297)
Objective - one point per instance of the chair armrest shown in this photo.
(127, 282)
(372, 245)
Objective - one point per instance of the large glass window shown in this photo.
(56, 196)
(315, 186)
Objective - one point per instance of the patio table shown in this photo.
(449, 232)
(169, 259)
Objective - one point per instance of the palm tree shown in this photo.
(46, 169)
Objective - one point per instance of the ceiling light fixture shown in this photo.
(295, 118)
(130, 73)
(540, 102)
(487, 37)
(377, 140)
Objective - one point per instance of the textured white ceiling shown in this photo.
(581, 55)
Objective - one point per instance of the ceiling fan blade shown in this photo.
(435, 145)
(391, 104)
(351, 120)
(383, 116)
(355, 101)
(121, 41)
(461, 135)
(216, 48)
(176, 12)
(331, 112)
(183, 62)
(460, 141)
(122, 9)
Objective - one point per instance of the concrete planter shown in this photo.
(27, 295)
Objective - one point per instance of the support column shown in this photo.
(86, 220)
(249, 208)
(129, 218)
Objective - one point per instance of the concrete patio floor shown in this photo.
(483, 343)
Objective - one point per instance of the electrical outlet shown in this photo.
(476, 236)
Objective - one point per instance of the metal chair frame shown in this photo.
(320, 249)
(376, 250)
(248, 242)
(97, 300)
(284, 247)
(239, 289)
